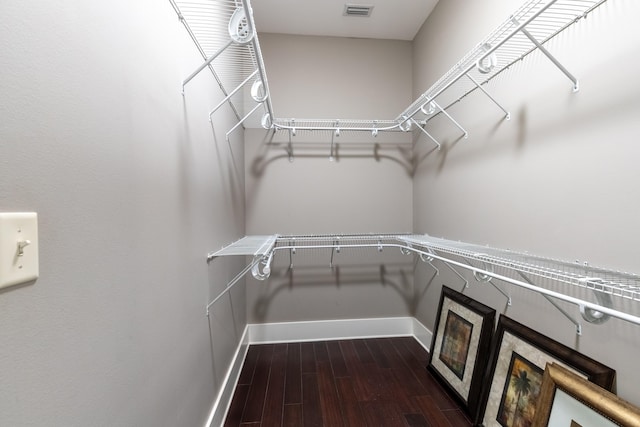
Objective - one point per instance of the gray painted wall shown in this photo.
(366, 189)
(558, 180)
(132, 190)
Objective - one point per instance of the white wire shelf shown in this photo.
(248, 245)
(325, 125)
(486, 263)
(618, 284)
(527, 30)
(232, 52)
(530, 27)
(225, 34)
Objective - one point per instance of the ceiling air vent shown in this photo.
(357, 10)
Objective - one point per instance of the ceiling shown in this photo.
(390, 19)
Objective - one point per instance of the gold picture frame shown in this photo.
(519, 350)
(566, 399)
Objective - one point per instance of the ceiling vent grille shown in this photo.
(363, 10)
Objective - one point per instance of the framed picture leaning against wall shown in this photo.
(514, 381)
(460, 347)
(567, 399)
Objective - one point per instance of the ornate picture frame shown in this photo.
(460, 347)
(568, 399)
(514, 381)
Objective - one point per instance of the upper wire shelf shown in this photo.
(527, 30)
(225, 34)
(530, 27)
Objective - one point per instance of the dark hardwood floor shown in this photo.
(369, 382)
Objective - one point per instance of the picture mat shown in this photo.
(511, 343)
(462, 387)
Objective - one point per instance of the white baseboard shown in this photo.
(222, 403)
(330, 330)
(322, 330)
(422, 334)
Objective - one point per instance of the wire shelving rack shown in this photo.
(487, 264)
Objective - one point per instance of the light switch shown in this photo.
(18, 248)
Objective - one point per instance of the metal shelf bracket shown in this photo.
(577, 324)
(576, 85)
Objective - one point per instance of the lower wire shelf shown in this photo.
(487, 265)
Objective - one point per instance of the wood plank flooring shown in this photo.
(369, 382)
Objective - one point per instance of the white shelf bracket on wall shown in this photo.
(205, 65)
(482, 277)
(577, 324)
(466, 282)
(548, 54)
(507, 115)
(423, 130)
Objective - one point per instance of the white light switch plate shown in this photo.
(18, 248)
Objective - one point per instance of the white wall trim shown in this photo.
(311, 331)
(421, 333)
(223, 401)
(330, 330)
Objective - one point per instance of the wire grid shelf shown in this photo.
(318, 241)
(619, 284)
(207, 22)
(333, 125)
(506, 45)
(484, 261)
(248, 245)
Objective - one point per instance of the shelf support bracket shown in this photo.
(443, 111)
(548, 54)
(206, 63)
(335, 248)
(233, 92)
(479, 86)
(242, 120)
(502, 291)
(556, 305)
(233, 281)
(466, 282)
(426, 257)
(425, 132)
(486, 278)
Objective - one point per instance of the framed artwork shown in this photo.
(514, 382)
(566, 399)
(460, 347)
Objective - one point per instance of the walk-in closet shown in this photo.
(235, 212)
